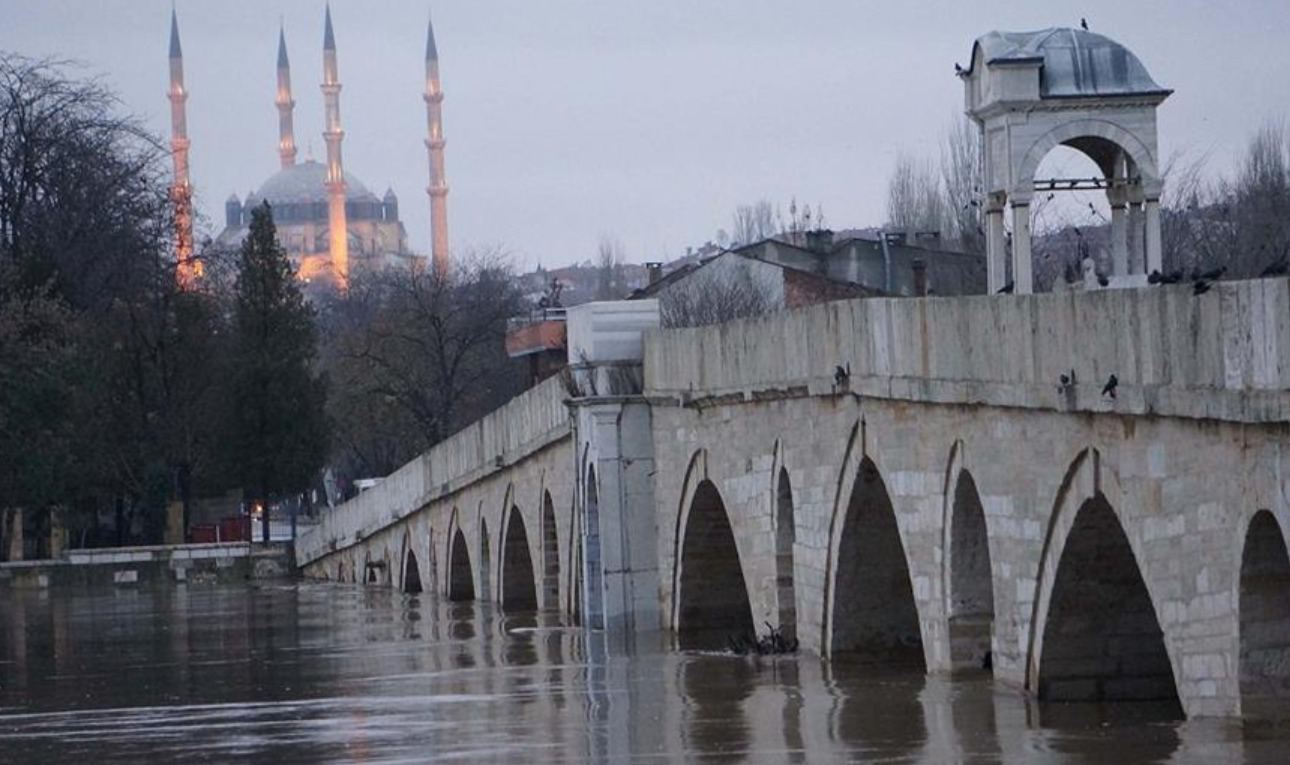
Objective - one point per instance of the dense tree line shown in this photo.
(114, 383)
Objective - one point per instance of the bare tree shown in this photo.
(1260, 203)
(712, 295)
(755, 222)
(83, 195)
(962, 178)
(415, 355)
(611, 278)
(914, 198)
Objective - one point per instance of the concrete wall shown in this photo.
(153, 565)
(1222, 355)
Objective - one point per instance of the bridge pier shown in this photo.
(614, 448)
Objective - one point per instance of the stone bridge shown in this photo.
(939, 482)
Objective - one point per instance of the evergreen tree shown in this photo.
(280, 430)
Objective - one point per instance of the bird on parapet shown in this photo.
(841, 375)
(1112, 383)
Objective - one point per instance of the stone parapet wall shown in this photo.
(1222, 355)
(526, 424)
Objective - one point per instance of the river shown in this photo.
(329, 673)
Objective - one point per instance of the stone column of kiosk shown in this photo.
(615, 465)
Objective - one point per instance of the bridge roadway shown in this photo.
(949, 503)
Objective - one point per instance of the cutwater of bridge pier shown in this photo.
(938, 482)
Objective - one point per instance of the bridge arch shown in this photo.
(519, 590)
(574, 588)
(968, 575)
(461, 580)
(1100, 140)
(432, 562)
(1264, 604)
(1094, 633)
(871, 614)
(594, 591)
(550, 554)
(410, 577)
(485, 558)
(710, 592)
(785, 524)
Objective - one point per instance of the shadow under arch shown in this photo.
(711, 594)
(411, 573)
(485, 559)
(785, 525)
(1094, 632)
(550, 554)
(1265, 620)
(519, 590)
(461, 579)
(872, 615)
(968, 579)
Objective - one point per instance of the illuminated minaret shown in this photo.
(286, 131)
(181, 192)
(438, 188)
(336, 224)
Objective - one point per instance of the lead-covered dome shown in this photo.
(1075, 62)
(307, 182)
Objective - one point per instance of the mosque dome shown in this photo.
(307, 182)
(1075, 63)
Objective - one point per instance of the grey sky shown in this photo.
(647, 119)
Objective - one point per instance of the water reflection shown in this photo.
(876, 713)
(715, 690)
(344, 673)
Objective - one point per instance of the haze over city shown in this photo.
(649, 121)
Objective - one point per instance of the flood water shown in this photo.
(320, 673)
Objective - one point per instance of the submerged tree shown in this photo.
(278, 425)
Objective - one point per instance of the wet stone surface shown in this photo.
(317, 673)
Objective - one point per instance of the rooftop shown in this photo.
(1075, 62)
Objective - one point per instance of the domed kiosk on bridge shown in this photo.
(1033, 91)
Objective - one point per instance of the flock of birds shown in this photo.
(1201, 281)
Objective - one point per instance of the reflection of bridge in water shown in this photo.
(949, 505)
(330, 673)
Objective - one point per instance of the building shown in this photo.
(885, 262)
(330, 223)
(299, 199)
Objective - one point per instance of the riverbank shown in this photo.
(223, 563)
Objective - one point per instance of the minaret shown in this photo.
(336, 224)
(438, 188)
(187, 269)
(286, 130)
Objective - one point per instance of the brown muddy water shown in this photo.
(329, 673)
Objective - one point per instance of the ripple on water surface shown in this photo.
(318, 673)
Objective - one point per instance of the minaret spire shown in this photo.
(438, 188)
(286, 106)
(181, 193)
(336, 223)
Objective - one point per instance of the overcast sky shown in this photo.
(646, 119)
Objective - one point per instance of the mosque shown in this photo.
(331, 224)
